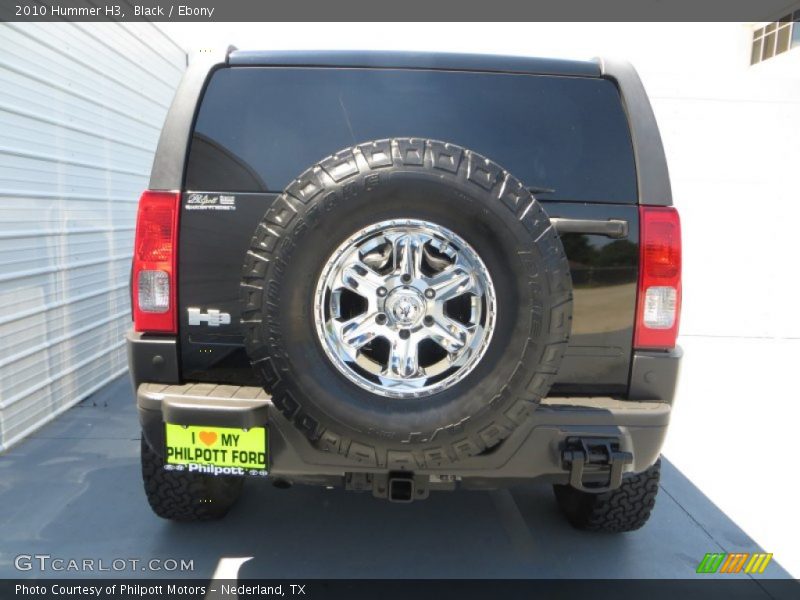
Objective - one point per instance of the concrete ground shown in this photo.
(73, 491)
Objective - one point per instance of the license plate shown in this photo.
(217, 450)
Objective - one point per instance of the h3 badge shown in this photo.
(212, 318)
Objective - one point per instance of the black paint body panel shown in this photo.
(604, 270)
(211, 250)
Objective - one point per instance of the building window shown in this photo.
(776, 38)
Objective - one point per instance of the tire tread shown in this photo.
(181, 496)
(625, 509)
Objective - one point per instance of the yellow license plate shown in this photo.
(217, 450)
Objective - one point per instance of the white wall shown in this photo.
(81, 108)
(733, 147)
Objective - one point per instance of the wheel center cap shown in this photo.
(405, 306)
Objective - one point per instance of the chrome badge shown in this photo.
(212, 318)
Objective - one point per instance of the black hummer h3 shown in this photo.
(405, 272)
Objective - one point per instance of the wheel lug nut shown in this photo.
(405, 278)
(380, 319)
(428, 321)
(405, 334)
(381, 292)
(430, 293)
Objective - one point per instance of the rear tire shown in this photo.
(182, 496)
(625, 509)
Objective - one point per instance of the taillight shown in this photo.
(659, 296)
(154, 263)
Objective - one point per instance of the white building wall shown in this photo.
(81, 108)
(731, 138)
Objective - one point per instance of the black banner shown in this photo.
(732, 588)
(406, 10)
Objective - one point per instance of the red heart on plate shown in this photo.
(208, 437)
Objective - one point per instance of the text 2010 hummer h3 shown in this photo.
(402, 273)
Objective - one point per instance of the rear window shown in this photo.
(260, 127)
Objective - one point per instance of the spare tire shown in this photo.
(407, 303)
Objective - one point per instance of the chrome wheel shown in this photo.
(405, 308)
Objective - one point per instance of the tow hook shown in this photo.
(597, 454)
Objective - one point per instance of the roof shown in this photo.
(416, 60)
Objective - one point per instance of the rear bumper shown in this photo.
(533, 451)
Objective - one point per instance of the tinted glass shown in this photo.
(769, 47)
(755, 54)
(259, 127)
(783, 40)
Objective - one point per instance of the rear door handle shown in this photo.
(613, 228)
